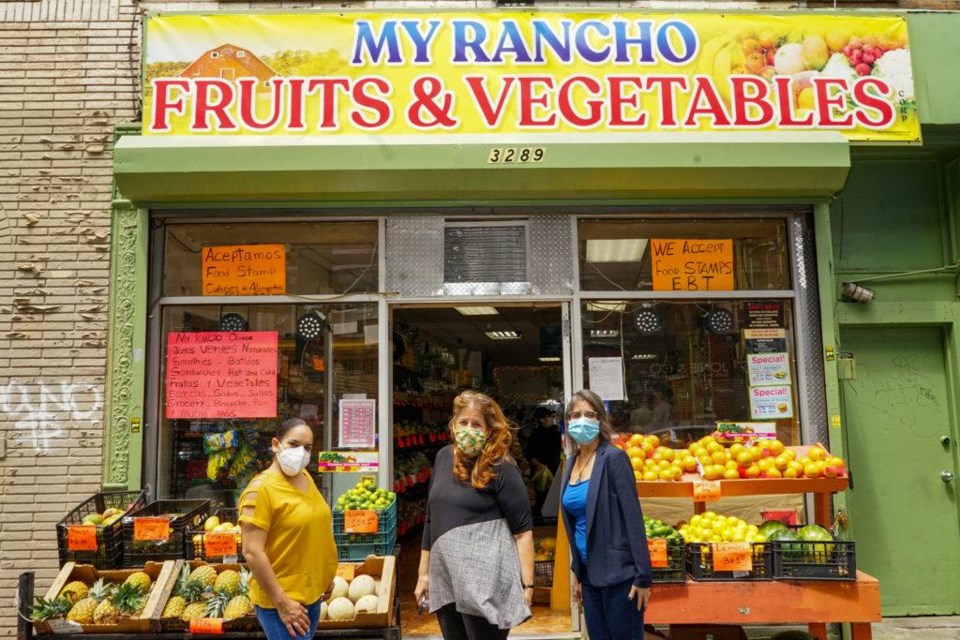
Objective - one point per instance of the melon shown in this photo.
(367, 604)
(814, 533)
(323, 611)
(785, 537)
(362, 585)
(340, 588)
(769, 526)
(341, 609)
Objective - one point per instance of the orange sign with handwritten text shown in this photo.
(692, 264)
(81, 537)
(732, 556)
(346, 571)
(219, 543)
(244, 270)
(364, 521)
(658, 553)
(151, 529)
(207, 626)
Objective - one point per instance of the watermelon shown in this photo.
(769, 526)
(814, 533)
(785, 537)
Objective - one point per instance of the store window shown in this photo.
(702, 332)
(320, 257)
(229, 367)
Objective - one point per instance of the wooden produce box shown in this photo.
(163, 575)
(383, 569)
(246, 623)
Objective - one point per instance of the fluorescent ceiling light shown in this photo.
(550, 359)
(619, 250)
(608, 305)
(477, 311)
(503, 335)
(604, 333)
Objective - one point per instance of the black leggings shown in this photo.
(461, 626)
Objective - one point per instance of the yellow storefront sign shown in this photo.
(522, 72)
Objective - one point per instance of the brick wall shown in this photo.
(68, 70)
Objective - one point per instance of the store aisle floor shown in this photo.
(546, 622)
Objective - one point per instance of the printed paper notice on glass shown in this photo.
(606, 378)
(768, 369)
(771, 402)
(358, 424)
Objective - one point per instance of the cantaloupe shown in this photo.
(362, 585)
(341, 609)
(367, 604)
(323, 610)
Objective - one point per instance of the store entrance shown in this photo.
(515, 354)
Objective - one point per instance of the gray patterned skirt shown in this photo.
(477, 568)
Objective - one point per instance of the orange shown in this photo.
(816, 454)
(731, 464)
(753, 471)
(713, 447)
(781, 462)
(709, 473)
(637, 476)
(765, 464)
(790, 472)
(689, 464)
(755, 452)
(773, 472)
(650, 476)
(666, 474)
(790, 453)
(650, 464)
(811, 470)
(636, 463)
(737, 449)
(636, 440)
(720, 469)
(776, 447)
(636, 452)
(653, 440)
(744, 459)
(663, 464)
(719, 457)
(647, 448)
(731, 474)
(667, 453)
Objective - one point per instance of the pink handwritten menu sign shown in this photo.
(358, 423)
(221, 374)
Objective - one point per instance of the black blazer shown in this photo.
(616, 540)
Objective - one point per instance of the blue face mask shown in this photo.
(584, 430)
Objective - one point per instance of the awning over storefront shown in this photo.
(252, 171)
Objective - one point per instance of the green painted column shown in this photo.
(830, 329)
(123, 410)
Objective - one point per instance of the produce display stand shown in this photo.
(25, 631)
(813, 603)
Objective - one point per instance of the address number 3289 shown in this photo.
(515, 155)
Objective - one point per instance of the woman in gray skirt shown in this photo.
(476, 559)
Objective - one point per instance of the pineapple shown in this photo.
(45, 609)
(82, 612)
(228, 583)
(175, 607)
(140, 579)
(216, 606)
(205, 575)
(127, 601)
(75, 591)
(193, 610)
(238, 607)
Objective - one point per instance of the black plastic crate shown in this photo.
(543, 574)
(109, 553)
(814, 560)
(183, 514)
(676, 569)
(196, 539)
(700, 564)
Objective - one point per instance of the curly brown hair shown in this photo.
(480, 470)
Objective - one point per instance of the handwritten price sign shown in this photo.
(658, 553)
(732, 556)
(207, 626)
(81, 537)
(346, 571)
(151, 529)
(220, 544)
(364, 521)
(706, 490)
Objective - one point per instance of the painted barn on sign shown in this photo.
(229, 62)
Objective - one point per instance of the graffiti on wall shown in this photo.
(39, 411)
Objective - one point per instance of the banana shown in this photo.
(709, 52)
(721, 69)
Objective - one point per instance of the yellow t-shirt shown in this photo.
(300, 543)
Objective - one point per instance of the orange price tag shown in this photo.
(151, 529)
(220, 543)
(208, 626)
(346, 571)
(81, 537)
(732, 556)
(706, 490)
(364, 521)
(658, 553)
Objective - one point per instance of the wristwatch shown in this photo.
(526, 586)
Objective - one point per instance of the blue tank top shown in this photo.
(575, 504)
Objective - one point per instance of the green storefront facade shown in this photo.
(886, 216)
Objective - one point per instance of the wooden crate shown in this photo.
(162, 574)
(384, 570)
(246, 623)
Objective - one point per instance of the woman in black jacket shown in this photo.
(601, 511)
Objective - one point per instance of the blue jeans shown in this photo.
(274, 628)
(610, 616)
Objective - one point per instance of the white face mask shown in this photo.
(293, 461)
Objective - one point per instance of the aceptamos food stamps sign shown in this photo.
(327, 74)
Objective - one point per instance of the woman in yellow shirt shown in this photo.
(288, 538)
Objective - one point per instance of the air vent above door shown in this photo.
(481, 252)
